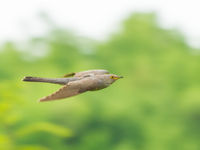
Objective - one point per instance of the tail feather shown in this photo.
(45, 80)
(61, 81)
(33, 79)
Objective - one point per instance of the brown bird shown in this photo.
(77, 83)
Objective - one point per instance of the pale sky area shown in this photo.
(94, 18)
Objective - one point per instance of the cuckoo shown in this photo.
(77, 83)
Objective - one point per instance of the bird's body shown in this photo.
(80, 82)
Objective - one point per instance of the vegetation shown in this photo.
(155, 107)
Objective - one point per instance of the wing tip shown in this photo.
(42, 100)
(26, 78)
(70, 74)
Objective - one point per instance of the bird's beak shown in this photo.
(121, 77)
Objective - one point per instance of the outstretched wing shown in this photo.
(67, 90)
(91, 73)
(87, 73)
(73, 88)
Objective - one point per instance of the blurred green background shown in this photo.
(155, 107)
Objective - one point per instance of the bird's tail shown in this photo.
(33, 79)
(47, 80)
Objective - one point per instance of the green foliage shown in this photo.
(155, 107)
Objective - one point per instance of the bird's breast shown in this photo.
(94, 84)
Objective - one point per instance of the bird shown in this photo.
(76, 83)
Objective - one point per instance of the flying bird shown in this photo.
(77, 83)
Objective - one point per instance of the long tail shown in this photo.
(47, 80)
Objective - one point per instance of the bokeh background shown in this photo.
(155, 107)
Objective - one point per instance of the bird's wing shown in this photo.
(69, 74)
(72, 88)
(87, 73)
(91, 73)
(67, 90)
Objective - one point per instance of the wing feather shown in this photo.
(74, 88)
(67, 90)
(91, 73)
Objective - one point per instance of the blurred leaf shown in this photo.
(5, 142)
(31, 147)
(44, 127)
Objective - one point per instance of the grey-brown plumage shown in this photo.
(77, 83)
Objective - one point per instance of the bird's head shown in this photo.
(110, 78)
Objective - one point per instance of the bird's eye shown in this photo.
(114, 77)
